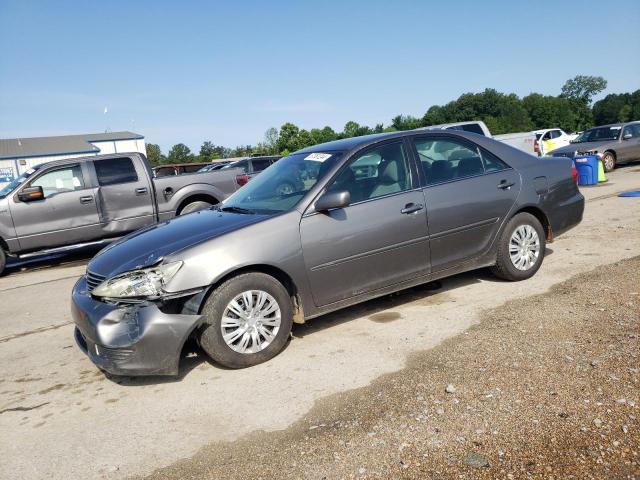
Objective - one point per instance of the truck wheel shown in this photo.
(609, 161)
(247, 320)
(3, 260)
(520, 248)
(194, 207)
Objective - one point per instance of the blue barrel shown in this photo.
(587, 166)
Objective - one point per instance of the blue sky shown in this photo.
(226, 71)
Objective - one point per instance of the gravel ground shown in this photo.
(546, 387)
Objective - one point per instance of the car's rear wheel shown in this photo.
(520, 249)
(195, 206)
(3, 260)
(609, 161)
(247, 320)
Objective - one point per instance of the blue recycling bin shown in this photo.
(587, 166)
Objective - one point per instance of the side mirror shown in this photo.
(31, 194)
(627, 136)
(332, 200)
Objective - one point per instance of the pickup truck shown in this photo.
(65, 204)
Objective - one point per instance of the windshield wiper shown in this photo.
(244, 211)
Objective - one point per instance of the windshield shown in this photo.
(7, 189)
(598, 134)
(281, 186)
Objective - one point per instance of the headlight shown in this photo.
(144, 283)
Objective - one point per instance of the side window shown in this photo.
(65, 179)
(259, 165)
(380, 171)
(115, 170)
(634, 130)
(555, 133)
(444, 160)
(473, 128)
(492, 163)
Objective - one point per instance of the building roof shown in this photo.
(61, 145)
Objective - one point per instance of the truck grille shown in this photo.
(93, 280)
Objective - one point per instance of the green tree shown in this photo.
(614, 108)
(180, 153)
(404, 122)
(271, 140)
(154, 154)
(288, 138)
(583, 88)
(208, 152)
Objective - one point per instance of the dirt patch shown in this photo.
(543, 387)
(384, 317)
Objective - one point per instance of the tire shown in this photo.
(609, 161)
(212, 334)
(3, 261)
(194, 207)
(529, 231)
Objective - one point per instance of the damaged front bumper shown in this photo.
(129, 339)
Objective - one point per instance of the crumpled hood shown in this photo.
(145, 247)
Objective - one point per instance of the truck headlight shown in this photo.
(144, 283)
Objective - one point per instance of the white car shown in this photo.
(549, 139)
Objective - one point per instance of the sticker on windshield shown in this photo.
(318, 157)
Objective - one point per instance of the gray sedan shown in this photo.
(617, 143)
(369, 216)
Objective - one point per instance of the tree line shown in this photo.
(571, 110)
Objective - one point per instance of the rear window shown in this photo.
(473, 128)
(115, 170)
(259, 165)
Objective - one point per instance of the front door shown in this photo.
(380, 239)
(66, 215)
(125, 197)
(468, 193)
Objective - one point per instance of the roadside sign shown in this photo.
(6, 174)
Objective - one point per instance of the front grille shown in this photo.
(93, 280)
(114, 354)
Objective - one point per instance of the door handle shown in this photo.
(87, 199)
(504, 185)
(411, 208)
(141, 191)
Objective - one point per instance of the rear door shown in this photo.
(125, 201)
(629, 148)
(65, 216)
(380, 239)
(468, 192)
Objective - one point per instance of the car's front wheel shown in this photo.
(609, 161)
(247, 320)
(520, 249)
(3, 260)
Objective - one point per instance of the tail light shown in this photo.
(536, 147)
(574, 173)
(242, 179)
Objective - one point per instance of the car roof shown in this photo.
(614, 125)
(517, 158)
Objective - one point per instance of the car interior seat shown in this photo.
(469, 166)
(391, 175)
(441, 171)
